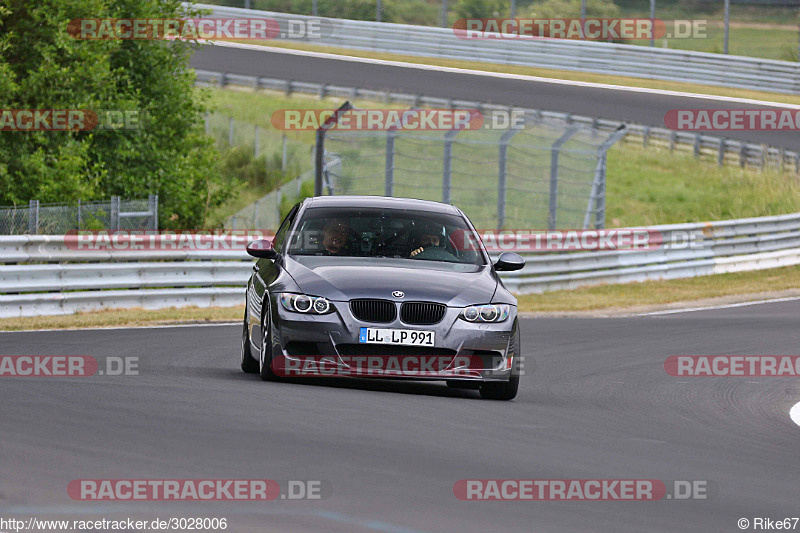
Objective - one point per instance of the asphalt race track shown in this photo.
(638, 107)
(599, 405)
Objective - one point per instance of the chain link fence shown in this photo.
(57, 219)
(540, 175)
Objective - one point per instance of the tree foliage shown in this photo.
(43, 67)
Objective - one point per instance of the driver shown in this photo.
(335, 236)
(427, 237)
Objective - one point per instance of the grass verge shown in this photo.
(628, 297)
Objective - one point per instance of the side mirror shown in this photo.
(509, 261)
(261, 248)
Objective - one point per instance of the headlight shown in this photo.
(486, 313)
(300, 303)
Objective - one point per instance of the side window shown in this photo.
(280, 236)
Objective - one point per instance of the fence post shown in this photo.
(33, 217)
(502, 164)
(556, 148)
(152, 206)
(389, 172)
(284, 153)
(447, 165)
(230, 131)
(255, 141)
(114, 219)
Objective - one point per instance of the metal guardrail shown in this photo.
(562, 54)
(63, 280)
(724, 151)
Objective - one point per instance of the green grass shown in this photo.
(654, 186)
(765, 43)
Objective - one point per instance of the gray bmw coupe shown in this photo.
(372, 286)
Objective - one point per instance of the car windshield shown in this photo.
(380, 232)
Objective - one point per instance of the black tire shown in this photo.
(265, 359)
(248, 364)
(506, 390)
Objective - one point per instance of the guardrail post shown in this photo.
(152, 207)
(697, 145)
(743, 154)
(721, 152)
(389, 169)
(447, 165)
(33, 217)
(673, 139)
(502, 164)
(645, 136)
(552, 217)
(114, 218)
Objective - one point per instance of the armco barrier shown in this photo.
(561, 54)
(724, 151)
(40, 275)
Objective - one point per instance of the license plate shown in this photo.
(405, 337)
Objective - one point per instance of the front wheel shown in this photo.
(265, 360)
(246, 360)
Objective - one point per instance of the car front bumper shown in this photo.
(328, 345)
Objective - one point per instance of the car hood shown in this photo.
(341, 279)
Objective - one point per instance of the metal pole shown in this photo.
(319, 155)
(114, 222)
(727, 25)
(652, 17)
(583, 19)
(152, 201)
(378, 9)
(553, 212)
(583, 9)
(80, 219)
(33, 217)
(513, 8)
(447, 165)
(255, 141)
(314, 8)
(284, 152)
(389, 173)
(502, 164)
(247, 4)
(444, 14)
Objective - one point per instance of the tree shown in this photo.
(43, 67)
